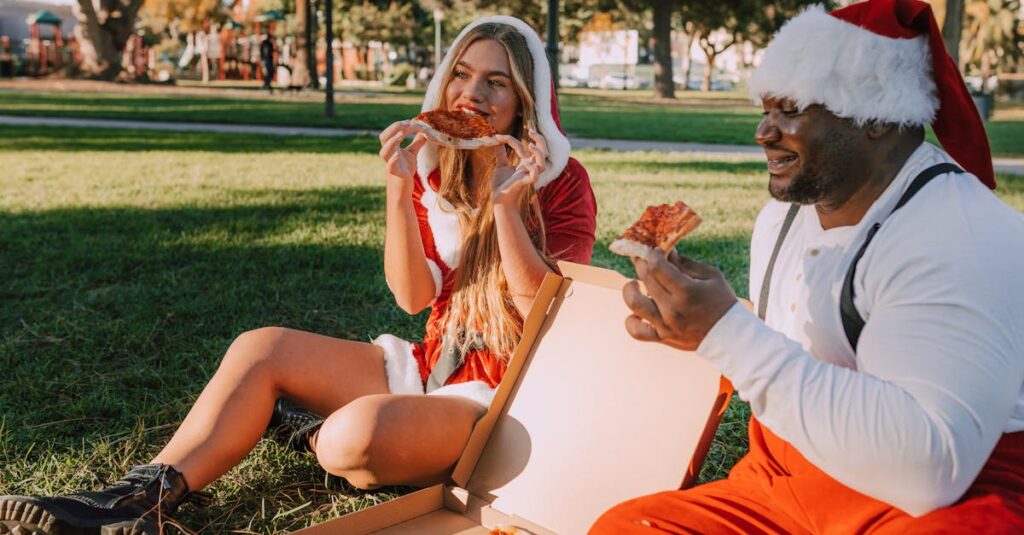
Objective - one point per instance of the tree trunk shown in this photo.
(102, 32)
(300, 63)
(663, 85)
(952, 26)
(710, 53)
(689, 59)
(314, 79)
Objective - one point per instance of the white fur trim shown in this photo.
(435, 273)
(477, 391)
(444, 225)
(400, 366)
(855, 73)
(558, 144)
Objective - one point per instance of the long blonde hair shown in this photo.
(481, 308)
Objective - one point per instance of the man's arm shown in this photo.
(939, 374)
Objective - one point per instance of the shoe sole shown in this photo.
(20, 515)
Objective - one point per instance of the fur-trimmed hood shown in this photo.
(546, 105)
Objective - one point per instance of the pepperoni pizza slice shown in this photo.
(456, 129)
(659, 226)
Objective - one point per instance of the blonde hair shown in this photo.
(481, 308)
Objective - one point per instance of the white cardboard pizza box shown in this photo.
(586, 417)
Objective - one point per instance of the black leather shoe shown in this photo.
(135, 505)
(292, 425)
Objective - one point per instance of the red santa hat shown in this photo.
(880, 60)
(545, 102)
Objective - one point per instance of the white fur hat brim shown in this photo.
(855, 73)
(558, 143)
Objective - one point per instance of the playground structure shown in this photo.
(45, 54)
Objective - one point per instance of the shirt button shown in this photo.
(792, 307)
(814, 252)
(799, 276)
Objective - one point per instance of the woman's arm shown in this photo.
(405, 262)
(523, 266)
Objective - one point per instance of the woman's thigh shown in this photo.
(319, 372)
(397, 439)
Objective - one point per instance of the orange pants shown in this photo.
(774, 489)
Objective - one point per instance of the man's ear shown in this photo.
(878, 130)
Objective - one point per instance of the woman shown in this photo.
(470, 234)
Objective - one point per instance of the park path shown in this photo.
(1014, 166)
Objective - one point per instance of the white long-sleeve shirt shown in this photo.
(912, 417)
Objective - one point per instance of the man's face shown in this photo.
(812, 154)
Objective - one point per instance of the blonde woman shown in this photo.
(470, 234)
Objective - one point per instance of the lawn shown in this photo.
(132, 259)
(723, 117)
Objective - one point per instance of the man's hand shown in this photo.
(685, 299)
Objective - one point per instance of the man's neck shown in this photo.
(851, 207)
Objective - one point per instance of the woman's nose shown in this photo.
(767, 131)
(474, 89)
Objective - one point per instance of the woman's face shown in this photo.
(481, 83)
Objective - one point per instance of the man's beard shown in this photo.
(819, 178)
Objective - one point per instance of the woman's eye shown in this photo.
(497, 83)
(460, 74)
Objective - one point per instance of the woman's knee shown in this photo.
(257, 347)
(350, 442)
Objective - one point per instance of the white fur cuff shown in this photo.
(477, 391)
(400, 365)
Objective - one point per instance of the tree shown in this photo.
(103, 29)
(992, 42)
(664, 87)
(709, 21)
(952, 26)
(718, 26)
(184, 16)
(300, 66)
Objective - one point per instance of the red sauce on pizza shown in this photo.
(458, 124)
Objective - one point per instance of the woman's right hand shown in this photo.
(400, 162)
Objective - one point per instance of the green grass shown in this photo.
(132, 259)
(721, 117)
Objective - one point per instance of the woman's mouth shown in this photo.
(471, 110)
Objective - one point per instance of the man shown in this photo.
(6, 58)
(885, 379)
(267, 57)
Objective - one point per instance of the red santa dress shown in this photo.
(568, 209)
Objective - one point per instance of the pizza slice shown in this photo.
(456, 129)
(659, 226)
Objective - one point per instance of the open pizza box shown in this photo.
(586, 417)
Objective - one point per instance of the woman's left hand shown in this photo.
(511, 183)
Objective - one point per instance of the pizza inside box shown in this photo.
(586, 417)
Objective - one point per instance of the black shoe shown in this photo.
(292, 425)
(135, 505)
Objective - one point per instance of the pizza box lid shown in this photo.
(585, 418)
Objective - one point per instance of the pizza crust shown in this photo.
(629, 248)
(441, 138)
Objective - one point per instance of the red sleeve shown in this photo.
(569, 210)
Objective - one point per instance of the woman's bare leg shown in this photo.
(393, 439)
(320, 373)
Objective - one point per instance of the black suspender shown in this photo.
(762, 303)
(853, 323)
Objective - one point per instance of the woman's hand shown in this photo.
(511, 183)
(400, 162)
